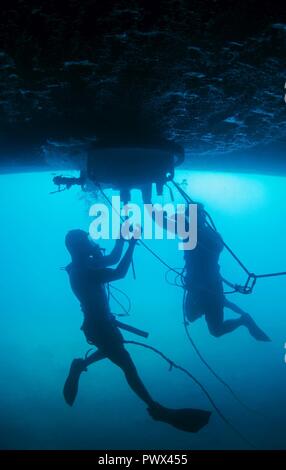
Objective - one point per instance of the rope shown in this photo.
(172, 365)
(234, 256)
(124, 294)
(109, 294)
(178, 276)
(126, 312)
(260, 276)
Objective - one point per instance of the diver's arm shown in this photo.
(115, 254)
(108, 275)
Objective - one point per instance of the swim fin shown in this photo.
(254, 329)
(185, 419)
(71, 384)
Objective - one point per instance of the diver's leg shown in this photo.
(217, 325)
(190, 420)
(77, 367)
(232, 306)
(253, 328)
(122, 359)
(225, 327)
(94, 357)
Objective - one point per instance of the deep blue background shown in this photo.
(40, 321)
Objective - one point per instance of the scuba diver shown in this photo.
(89, 273)
(203, 284)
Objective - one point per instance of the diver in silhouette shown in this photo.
(88, 273)
(204, 285)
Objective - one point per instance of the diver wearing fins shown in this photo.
(204, 285)
(88, 273)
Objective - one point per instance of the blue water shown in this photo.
(40, 321)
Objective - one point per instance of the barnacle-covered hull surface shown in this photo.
(209, 75)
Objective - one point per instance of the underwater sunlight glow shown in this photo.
(41, 319)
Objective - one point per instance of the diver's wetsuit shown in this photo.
(204, 284)
(88, 275)
(204, 287)
(203, 280)
(98, 325)
(88, 284)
